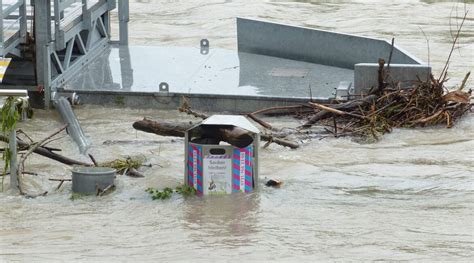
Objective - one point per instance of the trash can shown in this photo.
(221, 155)
(88, 180)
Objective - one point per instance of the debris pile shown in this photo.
(388, 106)
(426, 103)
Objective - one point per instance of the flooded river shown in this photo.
(409, 196)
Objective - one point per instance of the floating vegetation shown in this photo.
(12, 110)
(160, 195)
(76, 196)
(184, 190)
(123, 164)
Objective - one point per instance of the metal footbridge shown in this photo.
(56, 47)
(44, 43)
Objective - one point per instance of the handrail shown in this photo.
(73, 14)
(7, 13)
(13, 93)
(17, 21)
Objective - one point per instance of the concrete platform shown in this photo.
(221, 80)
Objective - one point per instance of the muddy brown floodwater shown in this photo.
(407, 197)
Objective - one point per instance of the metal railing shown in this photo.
(13, 25)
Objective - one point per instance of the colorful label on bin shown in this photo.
(242, 169)
(217, 175)
(195, 165)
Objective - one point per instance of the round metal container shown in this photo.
(86, 180)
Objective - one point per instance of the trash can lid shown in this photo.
(234, 120)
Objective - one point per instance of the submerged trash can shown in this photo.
(221, 155)
(88, 180)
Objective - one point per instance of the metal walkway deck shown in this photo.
(236, 81)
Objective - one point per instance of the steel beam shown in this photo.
(23, 21)
(43, 55)
(123, 13)
(13, 160)
(2, 17)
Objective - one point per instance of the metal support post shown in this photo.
(86, 15)
(43, 56)
(23, 22)
(1, 26)
(13, 160)
(123, 14)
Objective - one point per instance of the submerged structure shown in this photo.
(61, 47)
(61, 50)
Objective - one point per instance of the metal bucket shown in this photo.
(88, 180)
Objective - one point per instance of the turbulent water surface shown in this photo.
(407, 197)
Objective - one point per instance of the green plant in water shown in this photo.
(10, 116)
(157, 194)
(75, 196)
(11, 112)
(184, 190)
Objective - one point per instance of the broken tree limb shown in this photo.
(186, 108)
(93, 160)
(290, 109)
(108, 189)
(132, 172)
(270, 138)
(61, 181)
(323, 114)
(264, 124)
(33, 147)
(21, 163)
(162, 128)
(60, 158)
(177, 129)
(390, 57)
(232, 135)
(336, 111)
(464, 81)
(47, 153)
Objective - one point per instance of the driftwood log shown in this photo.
(324, 114)
(232, 135)
(49, 153)
(46, 152)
